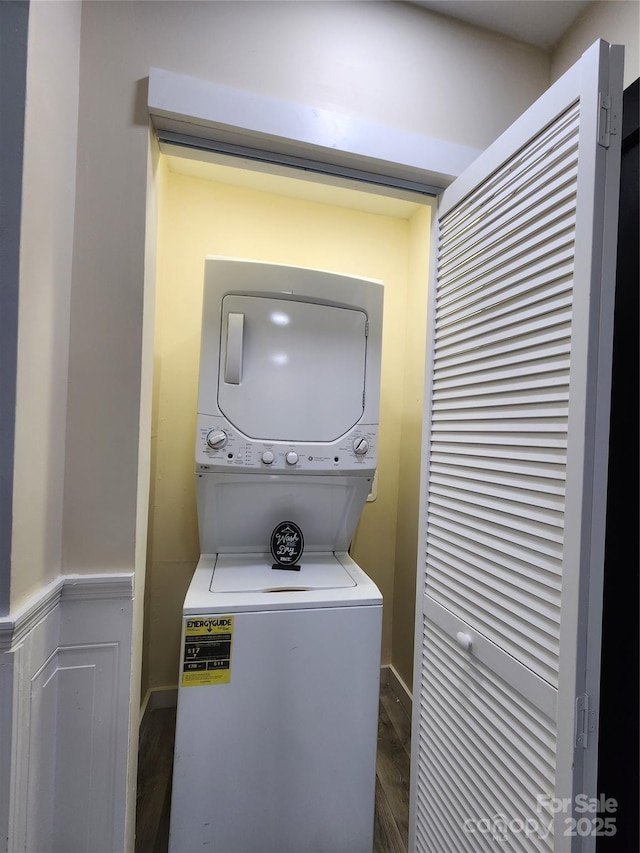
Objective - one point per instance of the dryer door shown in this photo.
(291, 370)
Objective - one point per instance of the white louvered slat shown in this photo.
(493, 546)
(481, 240)
(510, 402)
(507, 254)
(539, 496)
(474, 331)
(546, 485)
(547, 269)
(503, 226)
(484, 779)
(511, 542)
(512, 510)
(502, 332)
(540, 568)
(502, 223)
(501, 304)
(507, 181)
(522, 618)
(524, 345)
(501, 718)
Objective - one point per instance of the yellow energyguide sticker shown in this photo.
(207, 650)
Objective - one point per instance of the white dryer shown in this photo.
(278, 695)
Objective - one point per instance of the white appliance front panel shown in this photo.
(291, 370)
(282, 758)
(237, 452)
(238, 511)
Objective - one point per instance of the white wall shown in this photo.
(389, 63)
(406, 547)
(615, 21)
(447, 81)
(65, 648)
(48, 200)
(385, 62)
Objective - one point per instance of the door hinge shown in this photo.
(585, 721)
(608, 120)
(363, 393)
(366, 328)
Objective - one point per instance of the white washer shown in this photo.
(282, 758)
(278, 695)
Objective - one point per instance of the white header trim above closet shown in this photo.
(200, 114)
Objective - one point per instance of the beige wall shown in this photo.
(335, 55)
(615, 21)
(46, 249)
(301, 51)
(385, 62)
(390, 63)
(403, 625)
(200, 217)
(296, 50)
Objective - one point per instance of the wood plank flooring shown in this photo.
(155, 762)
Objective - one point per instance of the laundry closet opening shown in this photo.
(231, 208)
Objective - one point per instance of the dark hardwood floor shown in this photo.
(155, 763)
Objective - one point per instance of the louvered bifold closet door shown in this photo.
(505, 586)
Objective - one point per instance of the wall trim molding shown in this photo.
(158, 697)
(15, 627)
(389, 675)
(92, 587)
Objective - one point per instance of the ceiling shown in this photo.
(537, 22)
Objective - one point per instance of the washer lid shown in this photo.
(254, 573)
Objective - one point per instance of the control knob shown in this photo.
(291, 457)
(216, 438)
(360, 446)
(268, 457)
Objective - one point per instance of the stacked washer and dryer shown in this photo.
(280, 658)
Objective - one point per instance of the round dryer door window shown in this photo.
(291, 370)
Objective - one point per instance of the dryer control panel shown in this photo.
(221, 447)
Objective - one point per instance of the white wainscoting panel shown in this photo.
(71, 669)
(6, 703)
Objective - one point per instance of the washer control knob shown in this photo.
(267, 457)
(291, 457)
(216, 438)
(360, 446)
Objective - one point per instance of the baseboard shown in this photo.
(158, 697)
(388, 675)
